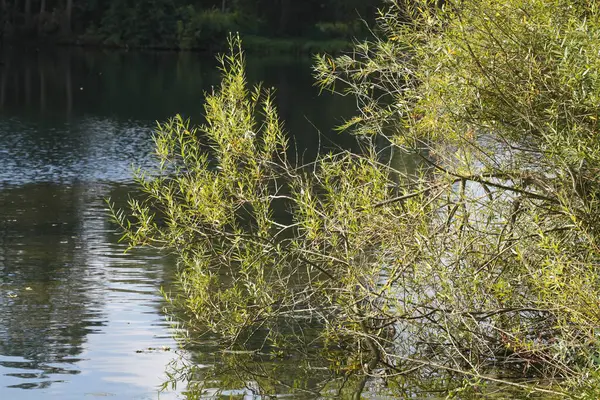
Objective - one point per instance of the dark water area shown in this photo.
(70, 114)
(78, 317)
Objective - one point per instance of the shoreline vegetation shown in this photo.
(267, 27)
(259, 45)
(474, 274)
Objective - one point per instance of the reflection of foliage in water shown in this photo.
(39, 267)
(208, 372)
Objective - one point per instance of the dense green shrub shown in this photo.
(146, 23)
(482, 265)
(202, 29)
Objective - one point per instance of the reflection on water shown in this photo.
(70, 115)
(78, 319)
(74, 311)
(90, 150)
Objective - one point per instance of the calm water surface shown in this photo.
(78, 318)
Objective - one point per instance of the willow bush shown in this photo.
(504, 98)
(483, 264)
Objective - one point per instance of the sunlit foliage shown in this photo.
(481, 264)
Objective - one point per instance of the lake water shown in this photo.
(79, 318)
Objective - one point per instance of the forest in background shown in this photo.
(281, 25)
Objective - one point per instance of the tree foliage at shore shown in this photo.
(483, 264)
(182, 24)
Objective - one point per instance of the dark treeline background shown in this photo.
(185, 24)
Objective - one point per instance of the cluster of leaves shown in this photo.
(483, 260)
